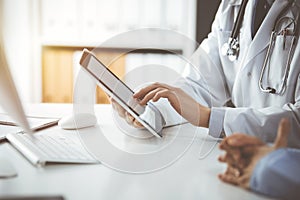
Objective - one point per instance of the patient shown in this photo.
(270, 170)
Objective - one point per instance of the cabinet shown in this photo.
(58, 72)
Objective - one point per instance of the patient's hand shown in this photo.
(124, 114)
(243, 153)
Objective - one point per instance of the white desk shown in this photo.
(188, 178)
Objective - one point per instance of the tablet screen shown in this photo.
(113, 83)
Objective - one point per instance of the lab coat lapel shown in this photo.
(235, 2)
(262, 37)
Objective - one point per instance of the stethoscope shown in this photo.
(231, 48)
(290, 28)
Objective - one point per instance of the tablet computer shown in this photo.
(149, 116)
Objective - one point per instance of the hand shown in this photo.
(185, 105)
(243, 152)
(124, 114)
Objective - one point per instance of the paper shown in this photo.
(36, 123)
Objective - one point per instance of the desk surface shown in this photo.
(187, 178)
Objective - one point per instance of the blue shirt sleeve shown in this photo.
(278, 174)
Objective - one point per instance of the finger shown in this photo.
(171, 96)
(282, 134)
(132, 121)
(222, 158)
(129, 118)
(233, 171)
(239, 140)
(113, 105)
(228, 179)
(150, 96)
(233, 151)
(137, 124)
(230, 159)
(144, 91)
(224, 144)
(111, 99)
(165, 93)
(226, 158)
(121, 111)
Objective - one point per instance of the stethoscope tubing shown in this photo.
(291, 52)
(239, 20)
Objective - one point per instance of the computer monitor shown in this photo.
(9, 98)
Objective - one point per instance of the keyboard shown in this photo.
(43, 149)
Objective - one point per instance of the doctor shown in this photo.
(251, 59)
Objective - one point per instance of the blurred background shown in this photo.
(44, 38)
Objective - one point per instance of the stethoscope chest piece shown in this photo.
(231, 49)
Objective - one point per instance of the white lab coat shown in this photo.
(212, 79)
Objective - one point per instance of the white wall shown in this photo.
(20, 45)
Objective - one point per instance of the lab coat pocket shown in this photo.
(277, 60)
